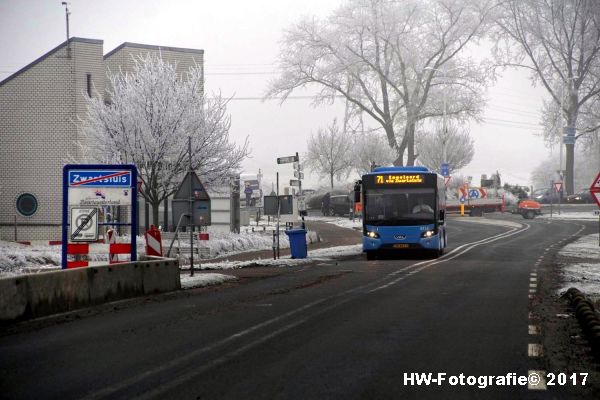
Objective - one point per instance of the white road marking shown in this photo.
(533, 285)
(534, 330)
(535, 350)
(542, 381)
(451, 255)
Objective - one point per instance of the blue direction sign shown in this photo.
(445, 169)
(100, 178)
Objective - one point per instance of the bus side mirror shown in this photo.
(442, 215)
(357, 191)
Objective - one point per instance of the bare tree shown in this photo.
(329, 153)
(147, 122)
(559, 42)
(370, 148)
(453, 142)
(388, 58)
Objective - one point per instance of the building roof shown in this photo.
(151, 47)
(48, 54)
(97, 41)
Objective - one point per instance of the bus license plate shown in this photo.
(401, 246)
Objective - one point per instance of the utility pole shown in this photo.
(191, 208)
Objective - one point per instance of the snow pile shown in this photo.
(584, 275)
(207, 279)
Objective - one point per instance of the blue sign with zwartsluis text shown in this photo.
(100, 178)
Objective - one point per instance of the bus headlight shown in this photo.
(428, 234)
(372, 234)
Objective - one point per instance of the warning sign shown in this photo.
(84, 224)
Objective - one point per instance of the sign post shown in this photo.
(595, 191)
(87, 188)
(558, 187)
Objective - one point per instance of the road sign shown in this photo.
(84, 224)
(445, 169)
(446, 180)
(595, 189)
(473, 194)
(287, 160)
(558, 186)
(596, 184)
(294, 182)
(99, 178)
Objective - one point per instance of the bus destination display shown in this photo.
(398, 179)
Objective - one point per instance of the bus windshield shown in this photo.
(392, 206)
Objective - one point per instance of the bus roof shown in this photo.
(379, 170)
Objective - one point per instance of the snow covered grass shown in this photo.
(17, 259)
(584, 275)
(207, 279)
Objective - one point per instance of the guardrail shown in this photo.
(36, 295)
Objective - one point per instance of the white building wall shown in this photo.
(37, 134)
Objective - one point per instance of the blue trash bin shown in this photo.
(297, 242)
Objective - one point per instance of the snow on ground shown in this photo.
(339, 221)
(580, 216)
(18, 259)
(583, 274)
(325, 254)
(201, 280)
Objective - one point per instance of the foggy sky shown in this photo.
(241, 42)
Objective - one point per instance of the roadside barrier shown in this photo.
(588, 317)
(35, 295)
(81, 253)
(153, 242)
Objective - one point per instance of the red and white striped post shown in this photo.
(153, 242)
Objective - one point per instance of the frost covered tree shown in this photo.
(452, 145)
(147, 122)
(559, 42)
(329, 153)
(391, 60)
(370, 148)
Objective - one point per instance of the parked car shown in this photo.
(340, 205)
(584, 196)
(546, 195)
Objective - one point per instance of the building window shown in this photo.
(89, 84)
(27, 204)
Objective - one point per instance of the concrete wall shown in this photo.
(31, 296)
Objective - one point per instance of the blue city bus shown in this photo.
(404, 208)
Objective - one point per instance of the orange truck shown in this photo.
(528, 209)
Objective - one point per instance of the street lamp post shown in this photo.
(444, 73)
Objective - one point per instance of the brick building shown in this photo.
(39, 105)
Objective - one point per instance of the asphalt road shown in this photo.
(347, 329)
